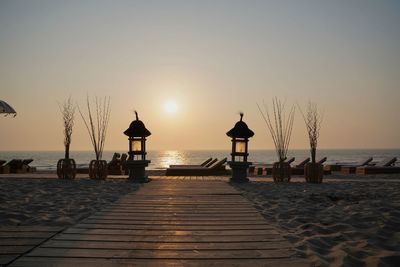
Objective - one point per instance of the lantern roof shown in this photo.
(137, 128)
(241, 130)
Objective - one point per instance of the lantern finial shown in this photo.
(241, 116)
(137, 116)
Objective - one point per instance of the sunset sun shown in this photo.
(170, 106)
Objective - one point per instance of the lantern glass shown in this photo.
(240, 146)
(136, 145)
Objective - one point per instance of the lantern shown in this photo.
(137, 162)
(137, 134)
(240, 135)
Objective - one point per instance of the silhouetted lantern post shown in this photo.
(240, 135)
(137, 162)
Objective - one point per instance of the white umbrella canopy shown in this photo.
(6, 109)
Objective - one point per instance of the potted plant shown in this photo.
(97, 129)
(313, 171)
(280, 126)
(66, 167)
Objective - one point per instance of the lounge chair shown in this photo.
(124, 158)
(216, 169)
(19, 166)
(14, 165)
(384, 166)
(210, 163)
(267, 168)
(322, 161)
(25, 165)
(299, 168)
(347, 169)
(115, 166)
(203, 164)
(337, 167)
(290, 161)
(3, 168)
(303, 163)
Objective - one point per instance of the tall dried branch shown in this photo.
(279, 125)
(97, 127)
(312, 118)
(67, 109)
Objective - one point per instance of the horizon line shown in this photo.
(217, 149)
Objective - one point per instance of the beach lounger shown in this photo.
(290, 161)
(347, 169)
(210, 163)
(337, 167)
(124, 158)
(322, 161)
(266, 169)
(384, 166)
(3, 168)
(216, 169)
(26, 167)
(19, 165)
(303, 163)
(299, 168)
(115, 166)
(204, 163)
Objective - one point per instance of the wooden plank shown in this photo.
(6, 259)
(4, 250)
(174, 239)
(180, 217)
(183, 204)
(30, 228)
(173, 227)
(174, 222)
(73, 262)
(177, 213)
(166, 232)
(140, 209)
(25, 235)
(161, 254)
(166, 246)
(21, 241)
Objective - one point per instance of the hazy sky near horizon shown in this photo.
(211, 58)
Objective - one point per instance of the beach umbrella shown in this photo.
(6, 109)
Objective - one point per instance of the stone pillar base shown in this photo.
(137, 170)
(239, 171)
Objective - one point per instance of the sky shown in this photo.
(189, 68)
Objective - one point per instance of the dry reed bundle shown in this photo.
(280, 125)
(313, 119)
(97, 128)
(67, 110)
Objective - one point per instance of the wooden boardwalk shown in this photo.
(17, 240)
(170, 223)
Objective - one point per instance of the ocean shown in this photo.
(160, 159)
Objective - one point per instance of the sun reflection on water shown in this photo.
(172, 157)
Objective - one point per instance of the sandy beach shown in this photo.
(346, 221)
(337, 223)
(56, 202)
